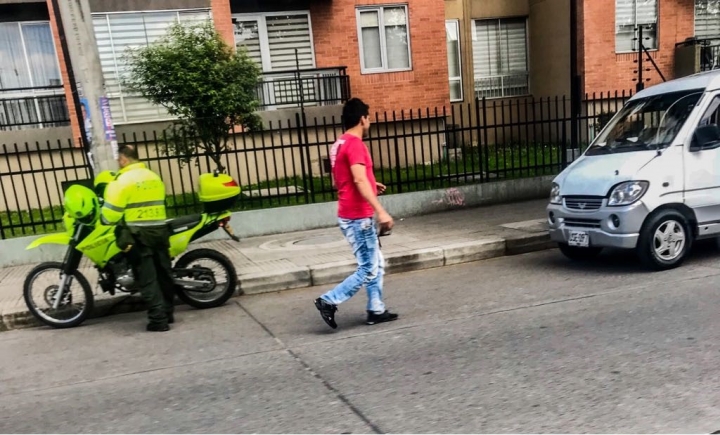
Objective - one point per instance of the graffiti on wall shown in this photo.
(451, 197)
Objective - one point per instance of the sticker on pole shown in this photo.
(110, 135)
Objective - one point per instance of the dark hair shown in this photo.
(353, 111)
(129, 152)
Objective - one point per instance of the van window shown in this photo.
(646, 124)
(712, 115)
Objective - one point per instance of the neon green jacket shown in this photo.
(138, 194)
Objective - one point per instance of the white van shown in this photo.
(650, 181)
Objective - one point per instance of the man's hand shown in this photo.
(381, 188)
(127, 249)
(386, 221)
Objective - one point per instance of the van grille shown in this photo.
(582, 223)
(583, 203)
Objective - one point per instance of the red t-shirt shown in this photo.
(350, 150)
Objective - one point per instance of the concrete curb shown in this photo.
(330, 273)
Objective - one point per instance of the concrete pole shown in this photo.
(85, 60)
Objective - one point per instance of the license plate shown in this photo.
(579, 238)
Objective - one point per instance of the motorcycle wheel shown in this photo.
(70, 313)
(218, 263)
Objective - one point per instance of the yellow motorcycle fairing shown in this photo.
(51, 239)
(99, 246)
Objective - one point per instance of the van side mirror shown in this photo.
(706, 137)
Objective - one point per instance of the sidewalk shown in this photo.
(319, 257)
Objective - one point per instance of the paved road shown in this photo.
(521, 344)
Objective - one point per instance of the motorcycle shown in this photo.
(197, 282)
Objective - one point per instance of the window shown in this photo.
(384, 39)
(707, 19)
(271, 39)
(452, 30)
(27, 56)
(117, 32)
(629, 14)
(500, 59)
(30, 80)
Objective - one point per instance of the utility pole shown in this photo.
(76, 22)
(575, 91)
(641, 83)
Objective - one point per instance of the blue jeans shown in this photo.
(362, 236)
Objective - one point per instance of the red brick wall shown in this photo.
(75, 126)
(223, 20)
(603, 69)
(334, 27)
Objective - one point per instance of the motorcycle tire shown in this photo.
(55, 323)
(224, 262)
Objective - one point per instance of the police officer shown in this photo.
(135, 201)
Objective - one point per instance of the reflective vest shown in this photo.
(138, 194)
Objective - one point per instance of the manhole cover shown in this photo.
(322, 240)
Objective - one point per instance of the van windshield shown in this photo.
(647, 124)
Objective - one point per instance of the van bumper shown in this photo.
(599, 225)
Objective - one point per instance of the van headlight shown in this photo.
(555, 197)
(627, 193)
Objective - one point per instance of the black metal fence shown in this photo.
(46, 107)
(287, 163)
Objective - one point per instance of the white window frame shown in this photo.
(636, 33)
(383, 49)
(459, 78)
(502, 89)
(34, 92)
(261, 17)
(121, 118)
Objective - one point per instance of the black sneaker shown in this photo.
(374, 319)
(158, 327)
(327, 312)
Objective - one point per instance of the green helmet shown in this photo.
(81, 204)
(101, 181)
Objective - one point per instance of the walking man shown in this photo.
(135, 201)
(352, 170)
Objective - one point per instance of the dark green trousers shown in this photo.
(151, 264)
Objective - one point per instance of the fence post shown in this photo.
(298, 120)
(479, 139)
(398, 170)
(309, 156)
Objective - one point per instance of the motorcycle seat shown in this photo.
(183, 223)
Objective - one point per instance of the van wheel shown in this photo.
(665, 240)
(579, 254)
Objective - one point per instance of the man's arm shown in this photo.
(363, 185)
(114, 204)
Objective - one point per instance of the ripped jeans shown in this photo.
(362, 236)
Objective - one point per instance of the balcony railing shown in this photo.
(309, 87)
(710, 56)
(27, 108)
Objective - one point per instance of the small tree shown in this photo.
(203, 82)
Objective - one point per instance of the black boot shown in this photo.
(374, 319)
(158, 327)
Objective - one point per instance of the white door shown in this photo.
(702, 172)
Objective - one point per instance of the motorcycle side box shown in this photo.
(217, 192)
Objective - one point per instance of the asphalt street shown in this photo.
(530, 343)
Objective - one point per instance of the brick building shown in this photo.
(608, 38)
(517, 48)
(391, 54)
